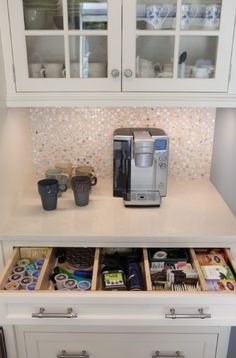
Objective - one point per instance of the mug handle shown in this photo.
(63, 188)
(94, 181)
(63, 72)
(211, 70)
(42, 72)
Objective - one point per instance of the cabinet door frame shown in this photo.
(217, 84)
(26, 84)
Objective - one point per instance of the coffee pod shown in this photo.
(19, 269)
(12, 286)
(31, 286)
(71, 284)
(16, 277)
(29, 269)
(160, 255)
(84, 285)
(25, 281)
(35, 275)
(38, 264)
(23, 262)
(60, 279)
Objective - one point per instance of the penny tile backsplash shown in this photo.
(84, 135)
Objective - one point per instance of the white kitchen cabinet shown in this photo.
(68, 344)
(117, 50)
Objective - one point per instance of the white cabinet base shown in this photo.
(57, 341)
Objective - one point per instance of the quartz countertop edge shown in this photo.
(193, 211)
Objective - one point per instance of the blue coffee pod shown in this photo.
(84, 285)
(35, 275)
(31, 286)
(39, 263)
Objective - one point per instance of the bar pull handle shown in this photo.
(158, 354)
(63, 354)
(200, 314)
(43, 314)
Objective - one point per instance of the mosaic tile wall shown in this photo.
(84, 135)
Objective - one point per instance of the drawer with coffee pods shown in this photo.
(72, 268)
(24, 270)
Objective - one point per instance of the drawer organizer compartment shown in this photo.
(26, 269)
(123, 269)
(194, 270)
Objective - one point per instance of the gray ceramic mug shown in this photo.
(81, 186)
(60, 176)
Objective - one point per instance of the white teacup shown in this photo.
(35, 70)
(53, 70)
(156, 15)
(203, 72)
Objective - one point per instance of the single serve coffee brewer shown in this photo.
(140, 165)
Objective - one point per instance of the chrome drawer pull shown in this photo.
(63, 354)
(43, 314)
(200, 315)
(159, 355)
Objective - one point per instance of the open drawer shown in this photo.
(101, 307)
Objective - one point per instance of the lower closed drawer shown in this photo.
(117, 345)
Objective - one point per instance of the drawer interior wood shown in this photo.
(26, 253)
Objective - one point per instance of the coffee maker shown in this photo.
(140, 165)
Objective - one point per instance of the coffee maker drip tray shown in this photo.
(142, 198)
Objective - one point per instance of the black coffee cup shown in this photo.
(81, 186)
(48, 190)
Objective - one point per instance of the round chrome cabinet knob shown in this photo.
(128, 73)
(115, 73)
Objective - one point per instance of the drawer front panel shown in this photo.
(93, 345)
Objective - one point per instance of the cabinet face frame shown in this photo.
(217, 84)
(26, 84)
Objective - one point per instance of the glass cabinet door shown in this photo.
(177, 45)
(66, 45)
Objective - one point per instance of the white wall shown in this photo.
(223, 170)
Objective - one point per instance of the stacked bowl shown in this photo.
(43, 14)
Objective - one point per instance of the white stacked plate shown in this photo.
(39, 14)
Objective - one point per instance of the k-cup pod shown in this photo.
(71, 284)
(25, 281)
(29, 269)
(60, 279)
(84, 285)
(160, 255)
(16, 277)
(12, 286)
(19, 269)
(35, 275)
(23, 262)
(31, 286)
(38, 264)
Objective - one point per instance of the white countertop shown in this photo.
(192, 209)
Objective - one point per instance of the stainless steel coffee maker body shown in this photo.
(140, 165)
